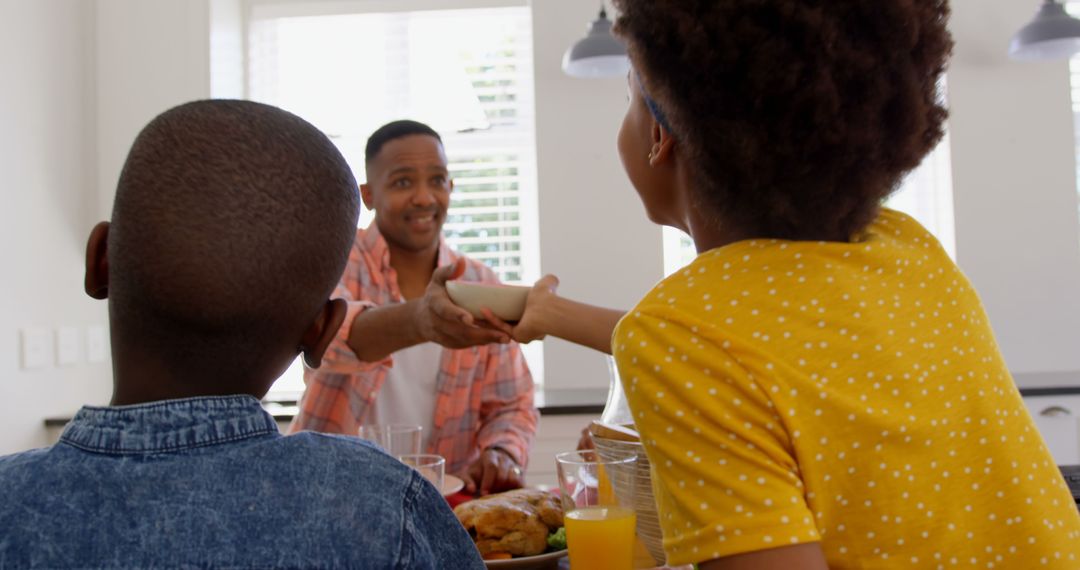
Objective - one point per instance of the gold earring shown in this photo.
(650, 155)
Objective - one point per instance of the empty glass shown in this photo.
(396, 439)
(432, 467)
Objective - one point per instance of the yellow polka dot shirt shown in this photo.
(850, 394)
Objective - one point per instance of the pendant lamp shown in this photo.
(598, 54)
(1053, 34)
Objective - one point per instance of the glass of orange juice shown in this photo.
(598, 498)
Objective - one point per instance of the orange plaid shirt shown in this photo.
(485, 393)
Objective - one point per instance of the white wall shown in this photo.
(151, 55)
(88, 74)
(1014, 184)
(46, 113)
(100, 70)
(593, 231)
(155, 54)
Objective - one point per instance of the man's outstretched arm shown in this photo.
(378, 332)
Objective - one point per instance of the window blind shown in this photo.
(468, 73)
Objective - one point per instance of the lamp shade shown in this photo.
(598, 54)
(1053, 34)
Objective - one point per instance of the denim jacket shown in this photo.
(210, 483)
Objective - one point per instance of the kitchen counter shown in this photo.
(591, 402)
(285, 411)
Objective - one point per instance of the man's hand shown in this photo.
(440, 321)
(585, 442)
(493, 472)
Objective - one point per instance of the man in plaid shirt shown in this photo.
(406, 353)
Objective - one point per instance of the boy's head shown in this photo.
(408, 185)
(230, 228)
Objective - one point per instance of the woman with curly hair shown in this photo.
(820, 387)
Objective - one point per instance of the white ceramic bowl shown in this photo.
(506, 301)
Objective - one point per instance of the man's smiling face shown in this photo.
(409, 189)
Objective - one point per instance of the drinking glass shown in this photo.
(598, 499)
(395, 439)
(432, 467)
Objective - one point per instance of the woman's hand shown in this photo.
(533, 324)
(546, 313)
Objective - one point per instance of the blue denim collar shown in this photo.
(168, 425)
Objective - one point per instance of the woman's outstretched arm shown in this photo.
(546, 313)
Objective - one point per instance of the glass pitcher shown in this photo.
(616, 410)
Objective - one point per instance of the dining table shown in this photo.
(642, 561)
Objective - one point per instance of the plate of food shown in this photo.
(538, 562)
(520, 529)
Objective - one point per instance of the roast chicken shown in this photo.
(515, 522)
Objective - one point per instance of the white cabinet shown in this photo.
(1057, 418)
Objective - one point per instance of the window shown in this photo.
(466, 72)
(679, 250)
(925, 194)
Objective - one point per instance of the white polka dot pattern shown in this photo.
(850, 394)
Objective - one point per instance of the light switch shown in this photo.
(96, 347)
(67, 346)
(36, 344)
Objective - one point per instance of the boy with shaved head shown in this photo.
(231, 224)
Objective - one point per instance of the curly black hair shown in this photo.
(799, 117)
